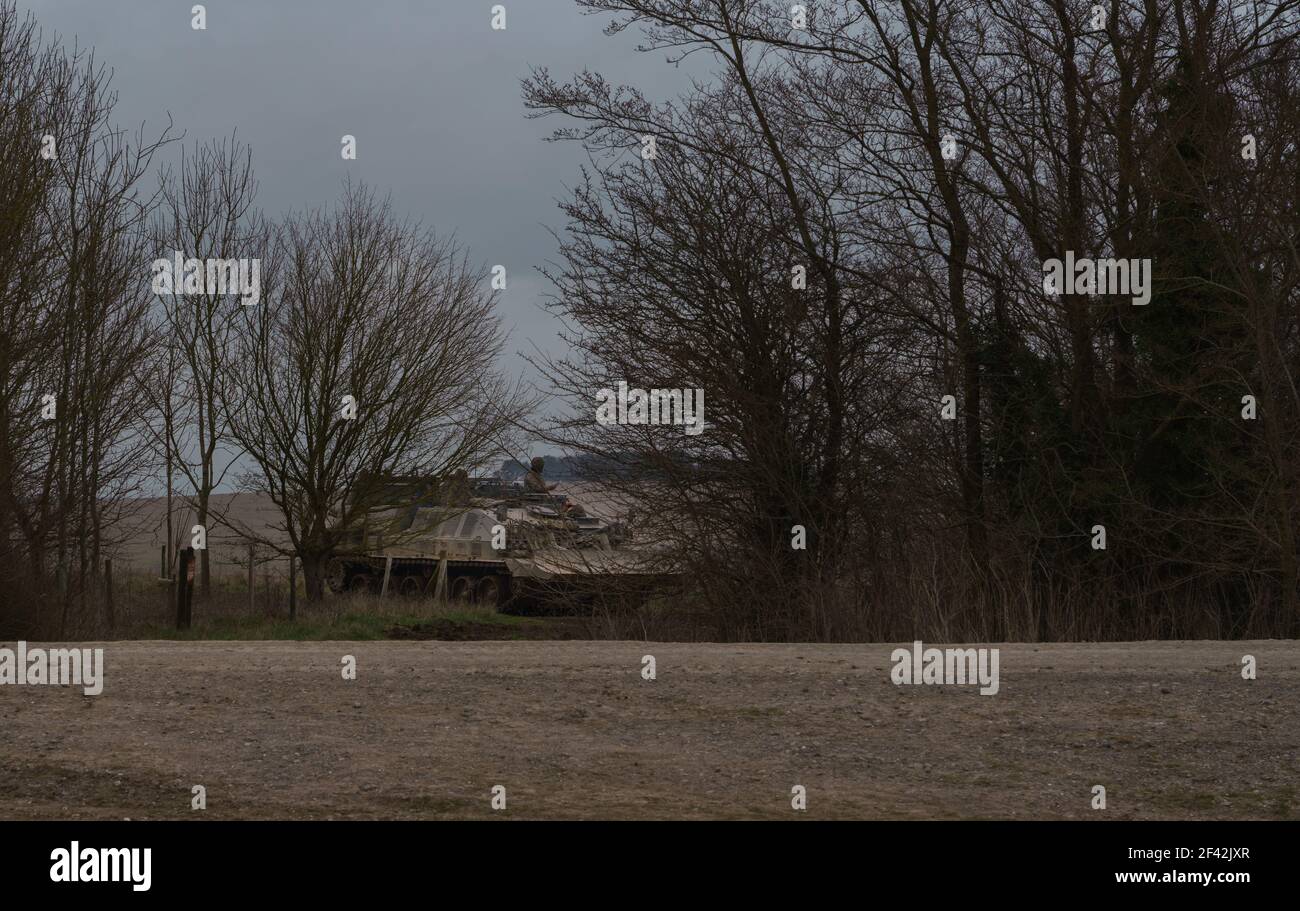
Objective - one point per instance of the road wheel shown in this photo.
(462, 590)
(411, 587)
(362, 582)
(490, 592)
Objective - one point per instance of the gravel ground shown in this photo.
(572, 730)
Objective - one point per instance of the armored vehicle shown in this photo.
(498, 546)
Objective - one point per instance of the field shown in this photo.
(572, 730)
(138, 535)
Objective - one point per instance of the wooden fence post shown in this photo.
(293, 588)
(108, 594)
(169, 588)
(440, 587)
(184, 585)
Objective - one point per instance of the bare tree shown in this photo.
(27, 328)
(208, 213)
(69, 472)
(923, 159)
(371, 355)
(724, 263)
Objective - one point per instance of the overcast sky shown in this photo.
(428, 88)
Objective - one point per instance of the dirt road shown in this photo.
(571, 730)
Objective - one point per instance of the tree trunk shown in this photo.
(313, 572)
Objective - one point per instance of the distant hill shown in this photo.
(558, 468)
(579, 468)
